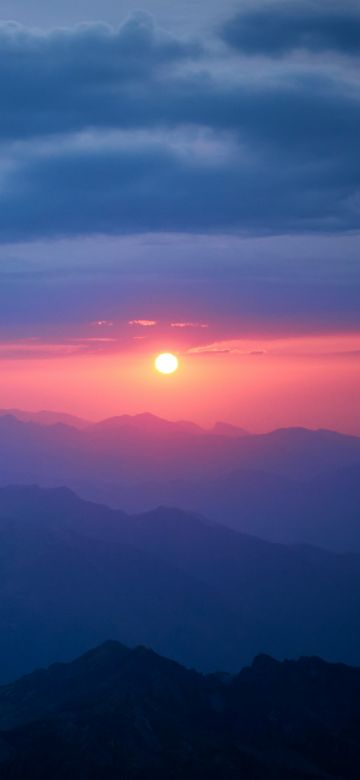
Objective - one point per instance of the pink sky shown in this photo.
(258, 383)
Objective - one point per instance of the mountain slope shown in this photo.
(73, 573)
(322, 511)
(289, 486)
(135, 450)
(45, 417)
(120, 713)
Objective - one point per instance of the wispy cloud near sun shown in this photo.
(143, 323)
(189, 325)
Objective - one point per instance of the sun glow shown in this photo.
(166, 363)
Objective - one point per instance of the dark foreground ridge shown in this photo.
(131, 714)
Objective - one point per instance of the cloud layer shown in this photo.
(134, 130)
(282, 26)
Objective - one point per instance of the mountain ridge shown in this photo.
(103, 455)
(131, 713)
(49, 418)
(73, 572)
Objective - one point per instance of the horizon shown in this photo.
(257, 392)
(12, 412)
(15, 411)
(173, 181)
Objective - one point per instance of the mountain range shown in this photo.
(145, 421)
(290, 486)
(132, 714)
(322, 510)
(73, 573)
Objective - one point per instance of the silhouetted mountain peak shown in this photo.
(19, 499)
(110, 650)
(146, 423)
(264, 662)
(172, 516)
(306, 669)
(10, 419)
(45, 417)
(115, 709)
(227, 429)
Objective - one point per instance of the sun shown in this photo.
(166, 363)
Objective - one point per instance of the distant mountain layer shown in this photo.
(73, 573)
(46, 418)
(146, 448)
(291, 485)
(323, 510)
(146, 422)
(121, 714)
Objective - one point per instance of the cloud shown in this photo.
(68, 343)
(86, 76)
(150, 188)
(226, 347)
(143, 323)
(277, 28)
(189, 325)
(323, 346)
(132, 130)
(32, 348)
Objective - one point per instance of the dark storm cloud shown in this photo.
(92, 76)
(149, 187)
(66, 79)
(134, 130)
(276, 28)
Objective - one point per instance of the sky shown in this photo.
(185, 178)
